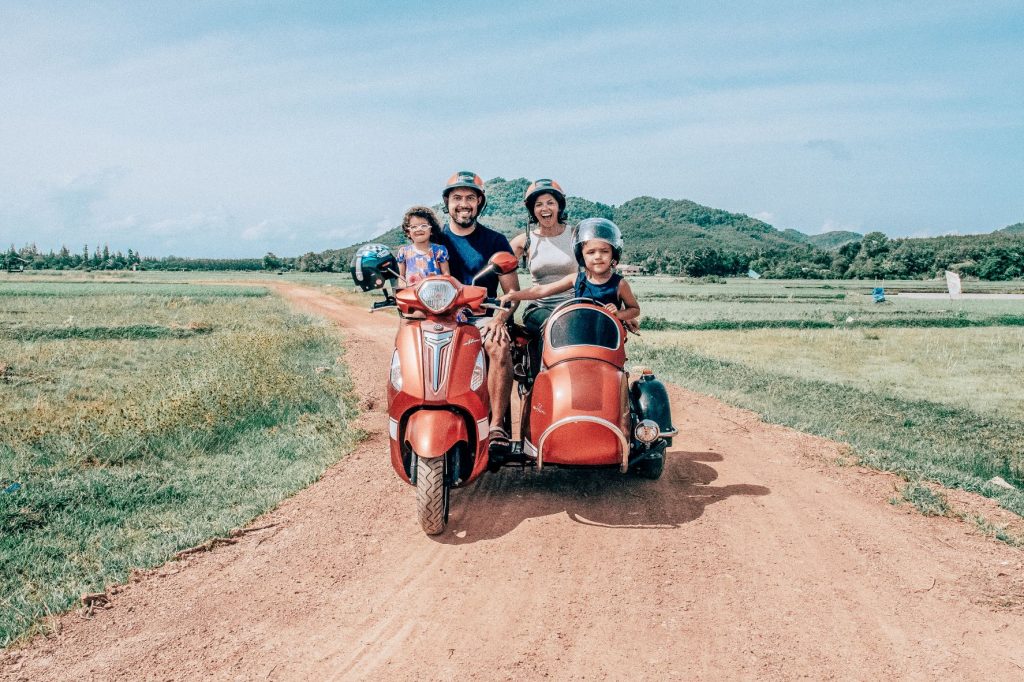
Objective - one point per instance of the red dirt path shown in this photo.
(753, 557)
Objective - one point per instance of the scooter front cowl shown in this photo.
(432, 433)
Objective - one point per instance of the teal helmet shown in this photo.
(372, 266)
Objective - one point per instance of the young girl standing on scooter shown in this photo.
(421, 257)
(597, 244)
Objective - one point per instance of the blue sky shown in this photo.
(236, 128)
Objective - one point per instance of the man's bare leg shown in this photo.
(499, 378)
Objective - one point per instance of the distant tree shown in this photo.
(271, 262)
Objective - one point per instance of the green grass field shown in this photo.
(749, 304)
(143, 416)
(927, 388)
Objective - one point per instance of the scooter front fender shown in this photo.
(432, 433)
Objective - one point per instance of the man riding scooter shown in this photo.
(470, 245)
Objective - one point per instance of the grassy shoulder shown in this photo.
(916, 438)
(117, 451)
(976, 369)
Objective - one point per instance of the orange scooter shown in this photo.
(438, 405)
(582, 409)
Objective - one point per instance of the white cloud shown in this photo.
(306, 126)
(218, 223)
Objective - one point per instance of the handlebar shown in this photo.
(494, 303)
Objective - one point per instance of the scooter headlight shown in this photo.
(479, 372)
(436, 295)
(396, 371)
(647, 431)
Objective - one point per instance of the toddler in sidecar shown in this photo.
(597, 244)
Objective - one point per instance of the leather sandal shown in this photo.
(499, 439)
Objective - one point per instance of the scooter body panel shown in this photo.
(579, 414)
(436, 406)
(578, 411)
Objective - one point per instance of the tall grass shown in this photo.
(919, 439)
(118, 452)
(976, 369)
(58, 289)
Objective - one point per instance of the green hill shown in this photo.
(678, 236)
(832, 241)
(648, 225)
(656, 226)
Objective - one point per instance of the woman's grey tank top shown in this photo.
(551, 259)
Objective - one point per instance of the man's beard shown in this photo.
(464, 219)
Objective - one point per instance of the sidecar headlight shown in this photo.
(396, 371)
(479, 371)
(436, 295)
(647, 431)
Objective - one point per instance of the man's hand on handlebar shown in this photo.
(496, 329)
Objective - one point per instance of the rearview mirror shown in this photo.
(504, 262)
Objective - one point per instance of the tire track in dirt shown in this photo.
(754, 556)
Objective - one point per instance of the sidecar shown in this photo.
(582, 409)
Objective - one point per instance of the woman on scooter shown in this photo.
(597, 246)
(547, 251)
(546, 248)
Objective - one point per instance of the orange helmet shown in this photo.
(464, 179)
(544, 186)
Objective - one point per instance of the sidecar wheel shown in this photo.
(653, 468)
(432, 494)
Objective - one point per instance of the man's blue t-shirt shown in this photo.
(468, 255)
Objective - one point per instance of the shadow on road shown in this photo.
(498, 503)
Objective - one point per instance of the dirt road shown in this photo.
(755, 556)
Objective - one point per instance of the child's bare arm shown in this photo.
(540, 291)
(445, 270)
(631, 311)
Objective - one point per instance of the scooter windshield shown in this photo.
(584, 327)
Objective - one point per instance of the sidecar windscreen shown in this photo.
(584, 327)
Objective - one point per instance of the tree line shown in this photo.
(996, 256)
(875, 256)
(29, 257)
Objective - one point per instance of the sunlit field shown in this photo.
(141, 417)
(975, 368)
(751, 304)
(930, 388)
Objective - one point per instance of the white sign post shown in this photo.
(953, 284)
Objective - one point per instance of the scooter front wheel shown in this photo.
(432, 494)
